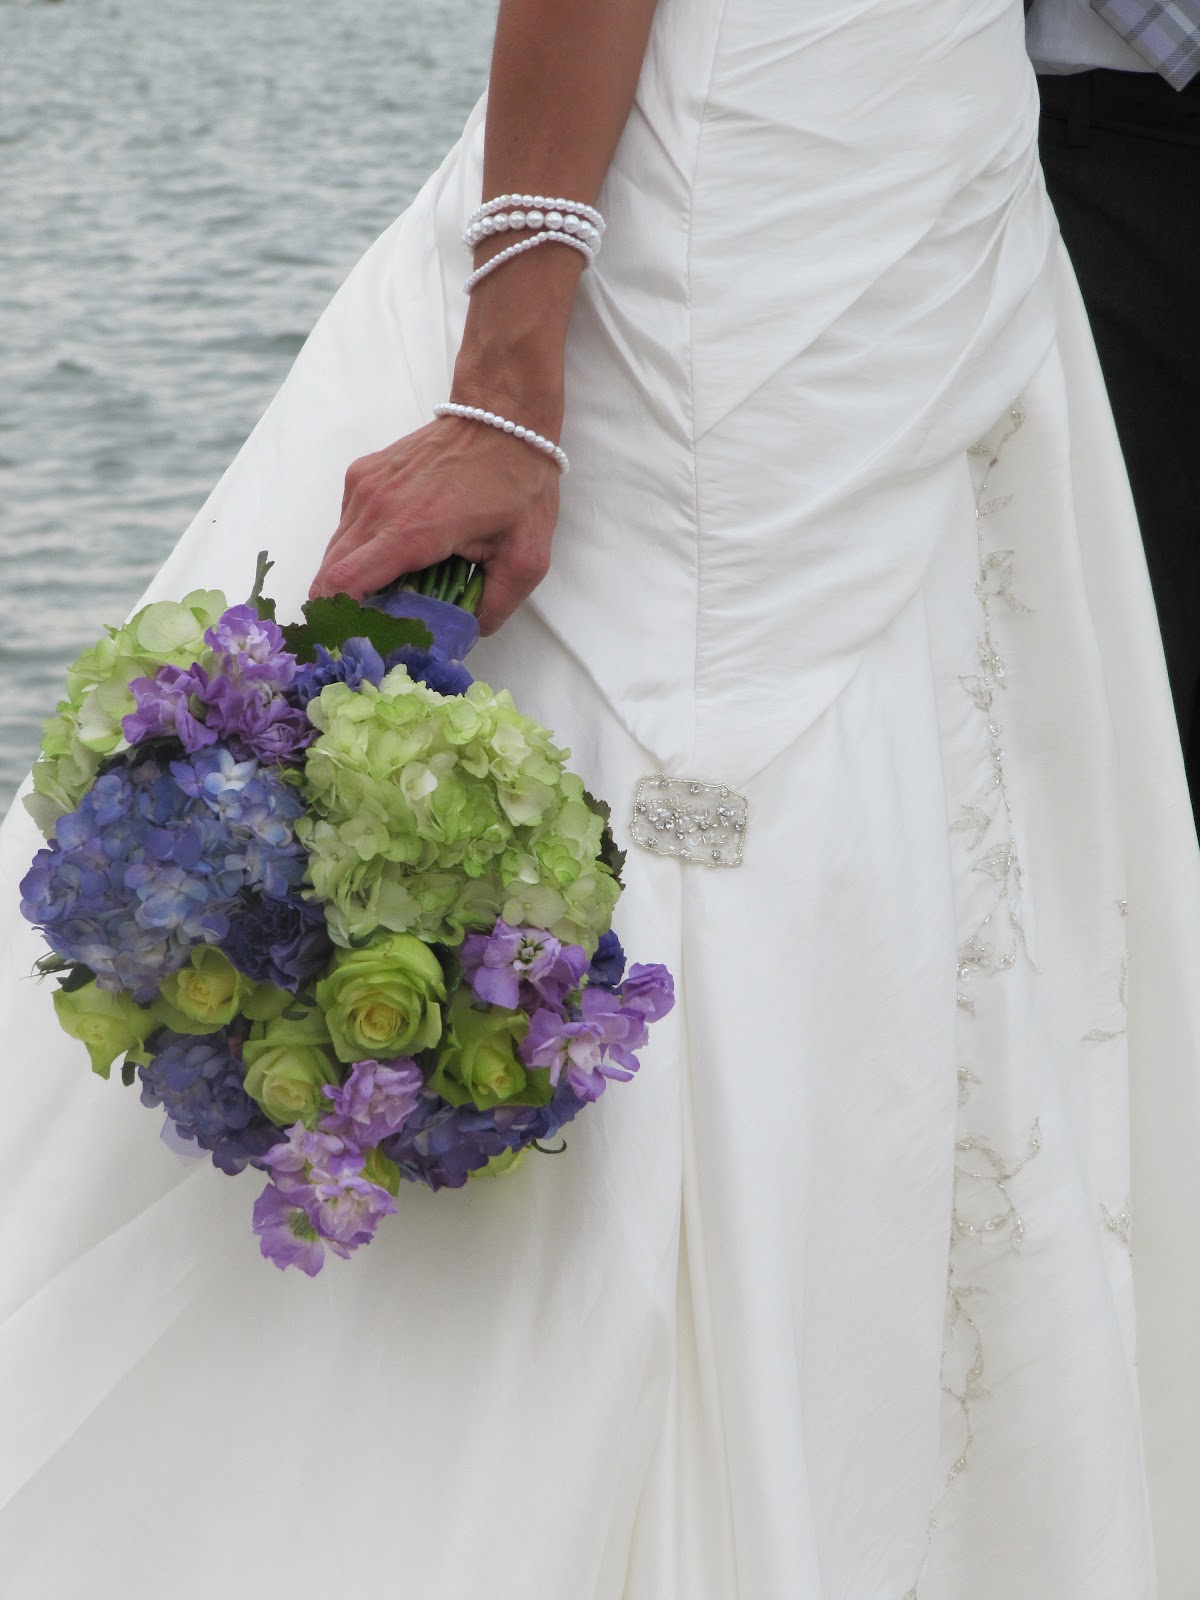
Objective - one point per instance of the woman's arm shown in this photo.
(562, 82)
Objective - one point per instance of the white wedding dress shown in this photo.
(836, 1300)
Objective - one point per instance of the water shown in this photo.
(182, 187)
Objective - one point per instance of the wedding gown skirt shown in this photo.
(836, 1301)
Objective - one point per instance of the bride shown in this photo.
(837, 1301)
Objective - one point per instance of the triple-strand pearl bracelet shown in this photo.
(450, 408)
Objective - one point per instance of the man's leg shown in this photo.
(1121, 153)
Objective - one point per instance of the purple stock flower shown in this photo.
(237, 697)
(374, 1103)
(252, 646)
(521, 967)
(286, 1235)
(649, 990)
(199, 1083)
(164, 708)
(320, 1175)
(597, 1045)
(284, 942)
(152, 862)
(357, 662)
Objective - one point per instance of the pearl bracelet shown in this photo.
(531, 243)
(505, 202)
(515, 221)
(450, 408)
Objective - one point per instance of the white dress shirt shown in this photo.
(1068, 36)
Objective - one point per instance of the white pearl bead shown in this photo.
(525, 199)
(516, 219)
(489, 417)
(571, 223)
(534, 219)
(554, 219)
(478, 413)
(510, 427)
(520, 432)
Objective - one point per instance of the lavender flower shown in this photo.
(283, 942)
(521, 967)
(198, 1081)
(152, 862)
(374, 1103)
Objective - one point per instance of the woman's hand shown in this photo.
(452, 488)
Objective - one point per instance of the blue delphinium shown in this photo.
(359, 662)
(199, 1083)
(154, 859)
(432, 668)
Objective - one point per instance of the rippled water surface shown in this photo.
(182, 187)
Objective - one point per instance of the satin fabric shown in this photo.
(835, 1301)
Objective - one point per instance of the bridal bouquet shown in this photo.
(341, 908)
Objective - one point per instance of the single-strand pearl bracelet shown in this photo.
(450, 408)
(531, 243)
(517, 221)
(505, 202)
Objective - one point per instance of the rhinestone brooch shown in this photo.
(695, 821)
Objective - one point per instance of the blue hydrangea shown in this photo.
(199, 1083)
(154, 859)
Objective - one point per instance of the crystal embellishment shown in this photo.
(695, 821)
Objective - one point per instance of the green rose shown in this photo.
(383, 1000)
(109, 1024)
(478, 1064)
(508, 1161)
(203, 996)
(288, 1063)
(378, 1169)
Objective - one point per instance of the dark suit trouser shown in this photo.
(1121, 153)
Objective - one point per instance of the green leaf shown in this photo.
(77, 978)
(452, 967)
(331, 622)
(613, 858)
(264, 607)
(128, 1073)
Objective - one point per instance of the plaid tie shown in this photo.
(1165, 33)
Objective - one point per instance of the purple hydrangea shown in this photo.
(199, 1083)
(521, 967)
(357, 662)
(153, 861)
(608, 963)
(433, 668)
(283, 942)
(374, 1103)
(441, 1145)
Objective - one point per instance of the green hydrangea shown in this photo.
(434, 814)
(87, 726)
